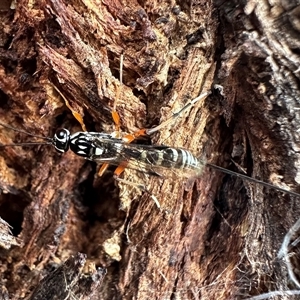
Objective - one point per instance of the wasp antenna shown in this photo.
(25, 132)
(269, 185)
(25, 144)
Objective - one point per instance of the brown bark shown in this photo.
(214, 237)
(66, 282)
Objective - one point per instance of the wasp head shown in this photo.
(61, 140)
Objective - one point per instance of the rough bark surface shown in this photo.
(214, 237)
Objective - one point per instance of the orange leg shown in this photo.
(120, 169)
(116, 119)
(76, 114)
(114, 113)
(78, 117)
(103, 169)
(131, 137)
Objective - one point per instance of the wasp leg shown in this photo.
(116, 119)
(114, 113)
(146, 131)
(76, 114)
(128, 138)
(102, 169)
(177, 114)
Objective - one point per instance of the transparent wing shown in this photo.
(155, 160)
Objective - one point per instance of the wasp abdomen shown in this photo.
(172, 158)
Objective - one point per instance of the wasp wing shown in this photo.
(155, 160)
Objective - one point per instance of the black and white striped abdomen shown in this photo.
(173, 158)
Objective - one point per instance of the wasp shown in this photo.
(118, 150)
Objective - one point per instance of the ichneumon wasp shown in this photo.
(119, 150)
(116, 149)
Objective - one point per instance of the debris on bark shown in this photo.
(68, 281)
(214, 237)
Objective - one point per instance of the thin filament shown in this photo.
(24, 132)
(223, 170)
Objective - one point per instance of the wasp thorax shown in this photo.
(61, 140)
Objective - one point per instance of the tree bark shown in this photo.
(213, 237)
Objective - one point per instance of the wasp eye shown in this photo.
(61, 140)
